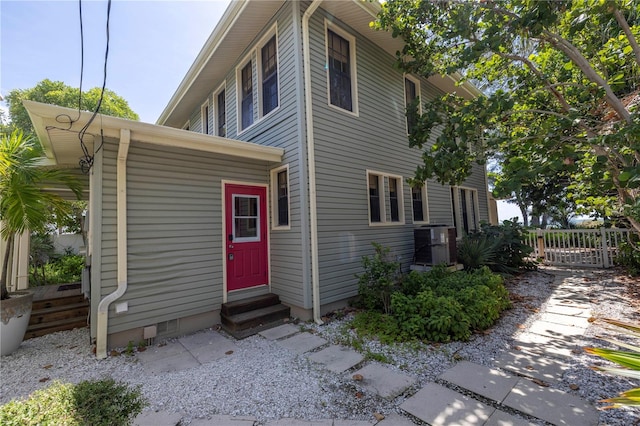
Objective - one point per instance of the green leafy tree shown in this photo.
(58, 93)
(561, 80)
(24, 204)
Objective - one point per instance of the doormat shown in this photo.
(69, 287)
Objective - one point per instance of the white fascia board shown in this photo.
(43, 115)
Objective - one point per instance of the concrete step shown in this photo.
(249, 304)
(251, 322)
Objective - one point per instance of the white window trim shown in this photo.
(425, 206)
(221, 88)
(352, 62)
(246, 60)
(273, 31)
(458, 209)
(205, 110)
(415, 81)
(274, 198)
(383, 184)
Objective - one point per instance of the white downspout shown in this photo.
(311, 159)
(121, 214)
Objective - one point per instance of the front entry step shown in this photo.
(244, 318)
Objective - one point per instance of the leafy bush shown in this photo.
(97, 403)
(63, 270)
(439, 306)
(380, 278)
(629, 256)
(509, 254)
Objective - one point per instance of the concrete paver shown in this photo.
(160, 351)
(303, 342)
(500, 418)
(181, 361)
(157, 418)
(568, 310)
(563, 301)
(555, 330)
(296, 422)
(545, 345)
(384, 381)
(284, 330)
(353, 423)
(439, 406)
(208, 346)
(552, 405)
(221, 420)
(337, 358)
(532, 365)
(488, 382)
(568, 320)
(395, 419)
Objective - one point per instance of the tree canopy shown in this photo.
(560, 110)
(58, 93)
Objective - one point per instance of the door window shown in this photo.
(246, 218)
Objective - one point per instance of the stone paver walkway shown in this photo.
(521, 380)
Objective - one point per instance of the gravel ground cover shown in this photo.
(262, 379)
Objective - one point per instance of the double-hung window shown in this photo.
(465, 209)
(246, 95)
(386, 204)
(269, 56)
(221, 113)
(419, 204)
(280, 197)
(341, 69)
(412, 101)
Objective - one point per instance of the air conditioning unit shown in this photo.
(434, 244)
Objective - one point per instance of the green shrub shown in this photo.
(63, 270)
(380, 278)
(438, 306)
(96, 403)
(476, 252)
(509, 252)
(629, 256)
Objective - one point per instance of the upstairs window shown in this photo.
(341, 74)
(280, 197)
(269, 56)
(246, 98)
(204, 112)
(221, 114)
(411, 96)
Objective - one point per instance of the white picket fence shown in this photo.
(577, 247)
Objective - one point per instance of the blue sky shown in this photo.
(152, 45)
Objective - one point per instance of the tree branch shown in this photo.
(627, 31)
(576, 57)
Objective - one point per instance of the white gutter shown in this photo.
(311, 159)
(121, 214)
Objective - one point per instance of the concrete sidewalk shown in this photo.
(521, 380)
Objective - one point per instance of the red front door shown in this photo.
(246, 234)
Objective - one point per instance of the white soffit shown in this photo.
(62, 146)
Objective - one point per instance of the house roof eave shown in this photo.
(59, 138)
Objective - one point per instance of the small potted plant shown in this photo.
(24, 205)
